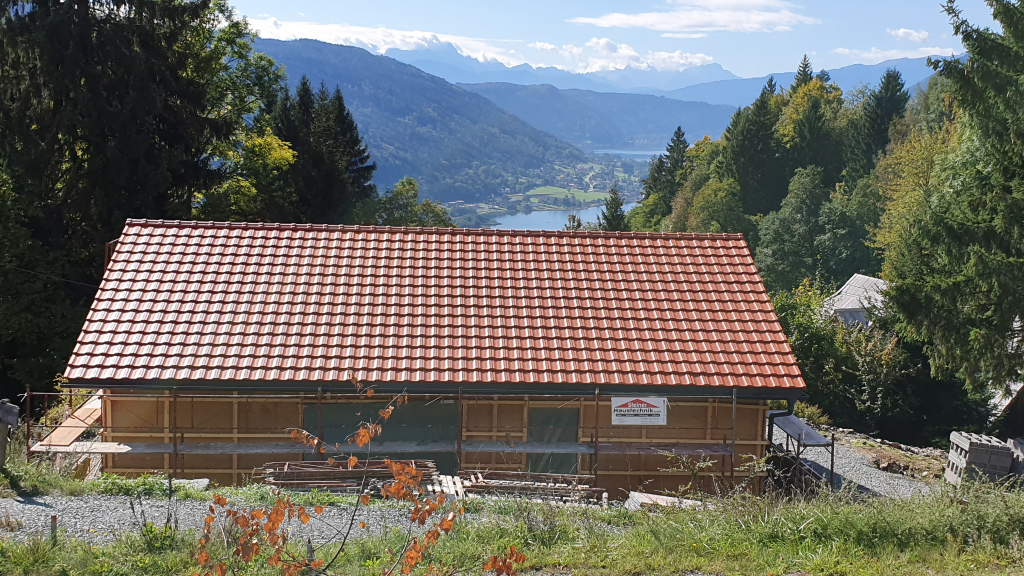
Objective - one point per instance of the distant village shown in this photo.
(555, 187)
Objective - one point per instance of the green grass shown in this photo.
(963, 531)
(556, 192)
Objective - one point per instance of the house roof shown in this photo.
(223, 302)
(852, 301)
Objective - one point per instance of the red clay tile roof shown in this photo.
(202, 301)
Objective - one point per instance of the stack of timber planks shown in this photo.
(552, 487)
(337, 477)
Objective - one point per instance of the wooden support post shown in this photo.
(174, 436)
(458, 456)
(28, 424)
(319, 420)
(732, 460)
(597, 429)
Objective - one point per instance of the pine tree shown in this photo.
(883, 105)
(332, 172)
(108, 110)
(823, 76)
(676, 153)
(664, 177)
(613, 218)
(804, 74)
(785, 254)
(956, 273)
(754, 154)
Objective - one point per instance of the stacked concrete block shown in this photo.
(1017, 448)
(976, 456)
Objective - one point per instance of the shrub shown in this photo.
(146, 485)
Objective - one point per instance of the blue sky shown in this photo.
(748, 37)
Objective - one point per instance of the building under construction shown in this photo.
(560, 352)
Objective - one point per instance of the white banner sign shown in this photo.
(636, 411)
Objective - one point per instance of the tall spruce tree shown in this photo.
(957, 271)
(613, 218)
(664, 177)
(332, 172)
(754, 155)
(108, 110)
(883, 105)
(804, 74)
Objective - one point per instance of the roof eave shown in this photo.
(446, 388)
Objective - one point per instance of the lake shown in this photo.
(549, 219)
(634, 154)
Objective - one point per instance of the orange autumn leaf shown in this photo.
(369, 392)
(365, 499)
(352, 461)
(319, 509)
(331, 461)
(362, 525)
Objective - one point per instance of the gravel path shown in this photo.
(99, 518)
(852, 468)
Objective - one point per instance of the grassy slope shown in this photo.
(975, 530)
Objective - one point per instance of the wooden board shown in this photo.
(75, 425)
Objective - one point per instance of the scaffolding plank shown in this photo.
(677, 448)
(76, 424)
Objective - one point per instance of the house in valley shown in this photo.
(543, 351)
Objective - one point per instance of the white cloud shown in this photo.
(683, 35)
(567, 51)
(599, 54)
(380, 40)
(709, 16)
(602, 54)
(874, 56)
(908, 34)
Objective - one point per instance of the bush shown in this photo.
(145, 485)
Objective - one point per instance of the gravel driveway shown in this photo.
(99, 518)
(852, 468)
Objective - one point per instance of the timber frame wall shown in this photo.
(489, 429)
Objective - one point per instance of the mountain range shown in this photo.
(472, 140)
(743, 91)
(709, 83)
(445, 61)
(457, 144)
(602, 120)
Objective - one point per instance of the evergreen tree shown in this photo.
(332, 170)
(754, 155)
(883, 105)
(108, 111)
(804, 74)
(956, 271)
(613, 218)
(662, 183)
(823, 76)
(785, 254)
(675, 153)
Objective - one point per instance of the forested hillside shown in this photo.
(156, 111)
(924, 191)
(596, 120)
(456, 144)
